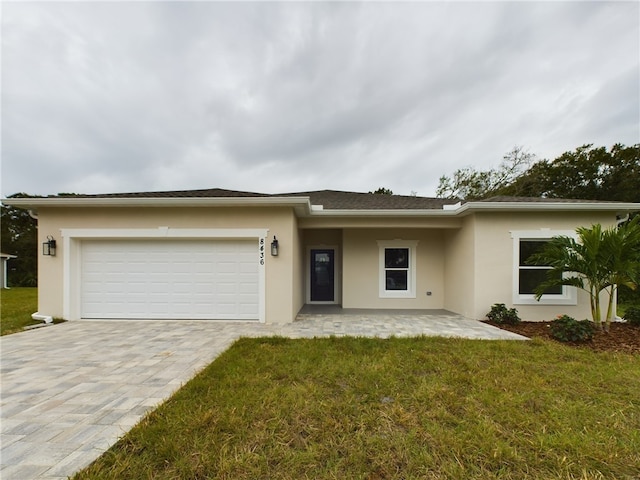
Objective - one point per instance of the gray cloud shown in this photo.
(100, 97)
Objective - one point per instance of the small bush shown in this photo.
(632, 316)
(568, 329)
(501, 314)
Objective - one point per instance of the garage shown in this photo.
(207, 279)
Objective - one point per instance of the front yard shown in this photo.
(431, 408)
(393, 409)
(17, 305)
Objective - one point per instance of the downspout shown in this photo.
(4, 275)
(619, 221)
(42, 318)
(37, 316)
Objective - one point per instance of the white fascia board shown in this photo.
(304, 208)
(302, 203)
(384, 213)
(473, 207)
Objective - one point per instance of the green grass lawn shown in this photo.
(428, 408)
(17, 305)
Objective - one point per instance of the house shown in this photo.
(228, 255)
(4, 258)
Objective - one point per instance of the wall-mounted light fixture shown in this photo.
(274, 247)
(49, 247)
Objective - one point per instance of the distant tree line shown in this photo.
(587, 173)
(19, 236)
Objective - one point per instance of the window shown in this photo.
(530, 276)
(397, 269)
(527, 277)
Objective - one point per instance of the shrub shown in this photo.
(501, 314)
(632, 316)
(568, 329)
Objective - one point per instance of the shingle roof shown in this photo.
(329, 199)
(337, 200)
(204, 193)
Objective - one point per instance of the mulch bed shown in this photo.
(622, 337)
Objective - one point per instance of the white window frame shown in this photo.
(569, 294)
(410, 292)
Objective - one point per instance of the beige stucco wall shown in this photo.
(467, 266)
(361, 271)
(297, 270)
(280, 306)
(493, 264)
(459, 271)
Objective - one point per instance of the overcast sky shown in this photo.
(282, 97)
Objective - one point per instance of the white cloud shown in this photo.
(100, 97)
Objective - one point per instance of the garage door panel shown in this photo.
(170, 279)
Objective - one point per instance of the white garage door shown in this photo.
(170, 279)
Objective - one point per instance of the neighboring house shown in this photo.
(4, 258)
(206, 254)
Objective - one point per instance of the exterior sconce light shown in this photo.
(274, 247)
(49, 247)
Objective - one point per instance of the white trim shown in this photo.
(569, 294)
(304, 208)
(72, 239)
(337, 274)
(411, 275)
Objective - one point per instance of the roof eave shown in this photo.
(303, 207)
(301, 204)
(383, 213)
(473, 207)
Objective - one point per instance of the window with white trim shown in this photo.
(527, 277)
(397, 261)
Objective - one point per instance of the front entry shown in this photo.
(322, 281)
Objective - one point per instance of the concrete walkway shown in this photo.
(69, 391)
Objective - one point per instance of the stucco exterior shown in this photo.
(493, 264)
(283, 292)
(361, 268)
(462, 256)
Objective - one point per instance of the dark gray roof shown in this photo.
(329, 199)
(337, 200)
(334, 199)
(204, 193)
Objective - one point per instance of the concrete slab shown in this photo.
(70, 391)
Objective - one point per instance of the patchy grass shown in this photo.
(429, 408)
(18, 303)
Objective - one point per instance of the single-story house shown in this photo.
(4, 258)
(229, 255)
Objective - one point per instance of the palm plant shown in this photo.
(599, 260)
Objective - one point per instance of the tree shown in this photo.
(598, 262)
(383, 191)
(587, 173)
(19, 236)
(470, 184)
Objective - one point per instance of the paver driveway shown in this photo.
(71, 390)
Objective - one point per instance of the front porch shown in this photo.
(328, 320)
